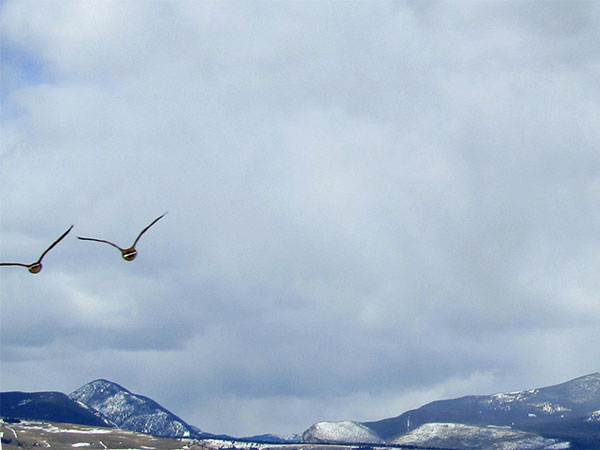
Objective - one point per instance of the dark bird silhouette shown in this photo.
(129, 253)
(37, 266)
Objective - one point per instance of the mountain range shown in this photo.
(561, 416)
(568, 411)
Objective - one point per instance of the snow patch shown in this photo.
(50, 428)
(461, 436)
(218, 444)
(550, 408)
(594, 417)
(344, 431)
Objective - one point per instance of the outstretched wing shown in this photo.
(146, 229)
(55, 242)
(99, 240)
(15, 264)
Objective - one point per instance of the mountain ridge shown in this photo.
(566, 411)
(538, 418)
(529, 410)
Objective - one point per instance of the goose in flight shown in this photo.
(129, 253)
(37, 266)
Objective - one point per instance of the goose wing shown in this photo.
(15, 264)
(99, 240)
(55, 242)
(146, 229)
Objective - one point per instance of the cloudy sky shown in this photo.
(371, 205)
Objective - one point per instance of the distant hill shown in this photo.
(266, 438)
(566, 412)
(99, 403)
(345, 431)
(131, 411)
(52, 406)
(563, 411)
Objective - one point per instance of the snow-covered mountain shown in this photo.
(130, 411)
(345, 431)
(453, 435)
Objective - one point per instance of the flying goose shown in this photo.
(37, 266)
(130, 253)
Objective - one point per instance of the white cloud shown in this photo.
(368, 203)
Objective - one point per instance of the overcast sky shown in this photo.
(371, 205)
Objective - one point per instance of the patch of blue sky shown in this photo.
(18, 69)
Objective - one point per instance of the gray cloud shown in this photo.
(371, 206)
